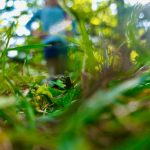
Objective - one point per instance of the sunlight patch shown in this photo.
(12, 54)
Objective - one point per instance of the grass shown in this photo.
(104, 108)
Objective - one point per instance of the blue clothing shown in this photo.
(55, 49)
(49, 17)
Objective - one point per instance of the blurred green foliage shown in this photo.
(106, 106)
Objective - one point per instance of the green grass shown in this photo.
(104, 108)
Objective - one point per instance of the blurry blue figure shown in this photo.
(54, 22)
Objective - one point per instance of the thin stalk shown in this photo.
(3, 56)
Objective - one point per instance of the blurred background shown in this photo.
(20, 12)
(101, 19)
